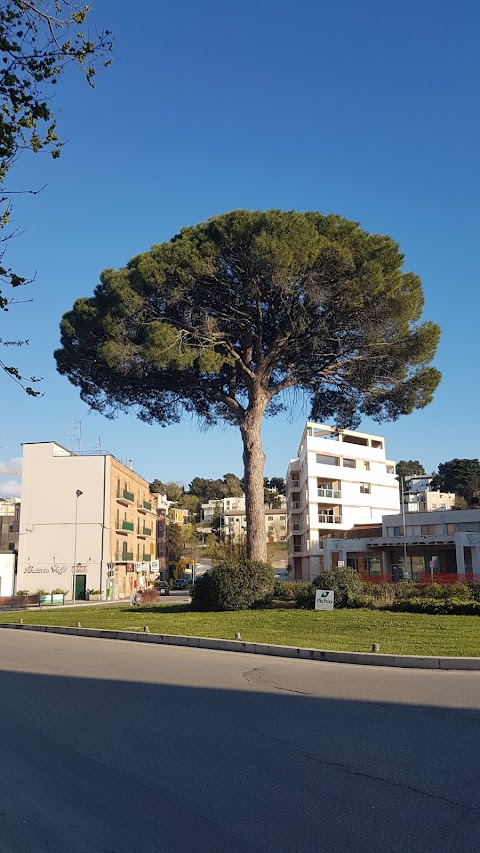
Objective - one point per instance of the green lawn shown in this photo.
(348, 630)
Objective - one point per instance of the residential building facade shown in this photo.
(340, 478)
(214, 508)
(87, 521)
(235, 525)
(439, 546)
(419, 497)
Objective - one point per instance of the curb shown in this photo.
(330, 656)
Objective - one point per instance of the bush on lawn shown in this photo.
(453, 606)
(346, 584)
(301, 593)
(234, 587)
(475, 590)
(149, 596)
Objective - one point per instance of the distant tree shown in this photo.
(190, 502)
(279, 484)
(38, 40)
(175, 542)
(157, 487)
(207, 490)
(272, 499)
(233, 486)
(231, 314)
(461, 476)
(460, 503)
(409, 468)
(173, 491)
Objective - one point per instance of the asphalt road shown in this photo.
(125, 748)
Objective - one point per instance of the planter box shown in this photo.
(94, 596)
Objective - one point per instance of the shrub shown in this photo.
(454, 606)
(58, 591)
(234, 587)
(22, 592)
(41, 592)
(149, 596)
(305, 595)
(475, 590)
(346, 584)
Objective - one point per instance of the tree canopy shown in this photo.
(461, 476)
(230, 314)
(409, 468)
(38, 38)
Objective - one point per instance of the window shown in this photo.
(349, 463)
(398, 531)
(270, 518)
(327, 460)
(365, 488)
(366, 465)
(390, 469)
(451, 528)
(282, 518)
(428, 530)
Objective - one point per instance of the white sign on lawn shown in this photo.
(324, 599)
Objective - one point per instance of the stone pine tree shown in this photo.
(223, 320)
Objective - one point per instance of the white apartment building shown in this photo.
(340, 478)
(88, 511)
(419, 497)
(214, 507)
(235, 525)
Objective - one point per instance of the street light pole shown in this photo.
(77, 495)
(404, 531)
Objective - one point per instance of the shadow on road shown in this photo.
(93, 764)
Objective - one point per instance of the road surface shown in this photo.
(111, 747)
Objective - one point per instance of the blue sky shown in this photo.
(369, 110)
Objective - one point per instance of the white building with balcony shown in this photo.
(340, 478)
(215, 508)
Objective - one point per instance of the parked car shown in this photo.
(180, 583)
(162, 586)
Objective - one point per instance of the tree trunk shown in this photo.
(254, 464)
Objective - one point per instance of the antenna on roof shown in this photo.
(76, 436)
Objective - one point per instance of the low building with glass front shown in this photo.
(431, 546)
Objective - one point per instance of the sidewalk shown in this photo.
(167, 599)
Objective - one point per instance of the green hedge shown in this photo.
(452, 606)
(227, 587)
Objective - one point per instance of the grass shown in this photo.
(347, 630)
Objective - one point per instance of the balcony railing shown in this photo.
(295, 526)
(295, 504)
(147, 531)
(127, 525)
(124, 557)
(329, 493)
(297, 548)
(329, 519)
(147, 505)
(129, 496)
(147, 558)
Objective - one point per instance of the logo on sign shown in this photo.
(324, 599)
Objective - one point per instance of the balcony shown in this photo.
(297, 548)
(329, 493)
(147, 505)
(125, 497)
(325, 518)
(295, 505)
(295, 526)
(146, 558)
(127, 525)
(124, 557)
(147, 531)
